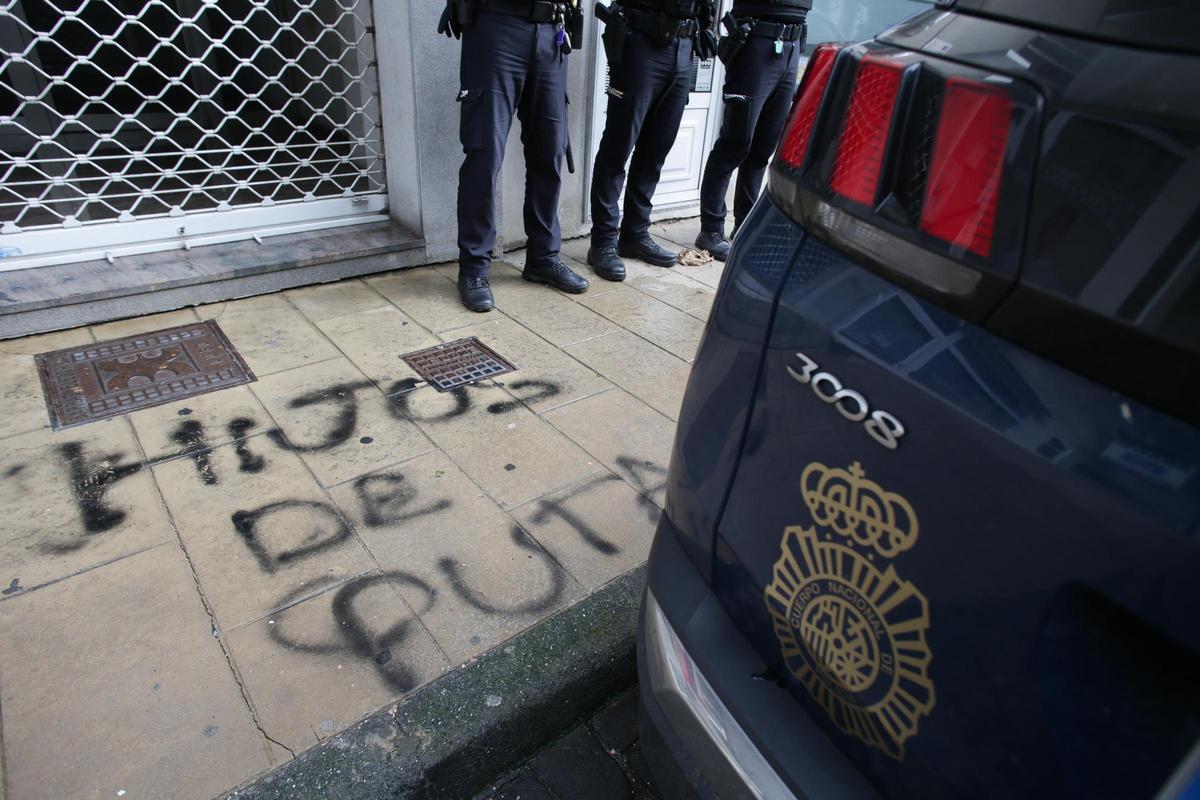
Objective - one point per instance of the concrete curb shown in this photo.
(446, 741)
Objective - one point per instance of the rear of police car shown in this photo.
(934, 505)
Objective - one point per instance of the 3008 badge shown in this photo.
(880, 425)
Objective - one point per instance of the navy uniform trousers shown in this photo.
(510, 64)
(759, 87)
(647, 93)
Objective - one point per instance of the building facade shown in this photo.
(141, 134)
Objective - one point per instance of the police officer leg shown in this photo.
(768, 127)
(543, 114)
(659, 130)
(742, 84)
(492, 77)
(630, 96)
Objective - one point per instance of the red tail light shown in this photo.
(916, 166)
(865, 130)
(799, 131)
(963, 188)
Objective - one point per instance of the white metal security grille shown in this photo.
(136, 126)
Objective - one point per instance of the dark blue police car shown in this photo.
(932, 518)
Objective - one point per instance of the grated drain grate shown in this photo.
(453, 364)
(106, 379)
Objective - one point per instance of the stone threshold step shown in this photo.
(67, 295)
(451, 737)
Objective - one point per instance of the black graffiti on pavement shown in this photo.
(402, 390)
(400, 394)
(248, 462)
(321, 525)
(648, 478)
(91, 476)
(342, 398)
(556, 507)
(194, 443)
(189, 435)
(476, 597)
(384, 498)
(90, 479)
(354, 633)
(543, 390)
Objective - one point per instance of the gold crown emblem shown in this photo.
(845, 502)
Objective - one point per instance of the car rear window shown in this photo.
(1163, 24)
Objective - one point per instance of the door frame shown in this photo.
(672, 200)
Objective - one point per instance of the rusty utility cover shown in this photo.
(453, 364)
(98, 381)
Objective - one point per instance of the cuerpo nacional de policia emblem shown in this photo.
(852, 632)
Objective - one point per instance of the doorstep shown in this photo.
(68, 295)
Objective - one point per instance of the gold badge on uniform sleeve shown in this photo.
(852, 632)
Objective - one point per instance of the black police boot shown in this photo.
(714, 243)
(475, 293)
(606, 263)
(557, 275)
(647, 250)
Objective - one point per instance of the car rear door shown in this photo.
(968, 549)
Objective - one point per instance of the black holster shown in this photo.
(732, 43)
(465, 11)
(575, 28)
(616, 29)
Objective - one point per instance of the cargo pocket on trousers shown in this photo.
(470, 126)
(735, 122)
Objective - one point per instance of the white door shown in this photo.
(680, 181)
(679, 184)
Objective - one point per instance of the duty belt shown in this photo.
(778, 31)
(660, 26)
(532, 10)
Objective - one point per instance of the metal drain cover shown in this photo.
(106, 379)
(453, 364)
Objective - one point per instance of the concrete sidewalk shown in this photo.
(194, 593)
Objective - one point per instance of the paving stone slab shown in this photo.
(625, 435)
(523, 787)
(667, 327)
(576, 766)
(426, 296)
(255, 538)
(709, 274)
(375, 339)
(681, 232)
(337, 420)
(617, 725)
(135, 325)
(20, 386)
(271, 335)
(701, 314)
(648, 372)
(546, 376)
(206, 420)
(317, 666)
(74, 499)
(328, 300)
(477, 579)
(552, 315)
(114, 686)
(504, 447)
(675, 289)
(597, 529)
